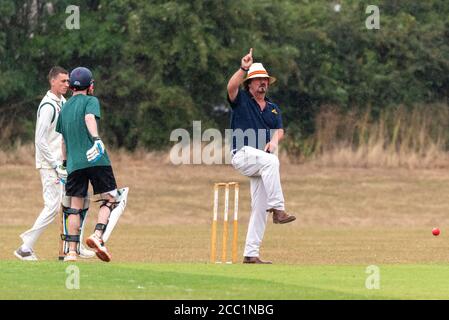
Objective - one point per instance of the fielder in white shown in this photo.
(257, 129)
(48, 162)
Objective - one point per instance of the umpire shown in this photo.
(252, 154)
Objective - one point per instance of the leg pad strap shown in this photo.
(100, 226)
(70, 237)
(68, 211)
(105, 203)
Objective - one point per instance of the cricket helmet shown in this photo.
(80, 78)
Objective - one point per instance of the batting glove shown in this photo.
(97, 150)
(62, 173)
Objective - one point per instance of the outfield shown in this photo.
(348, 219)
(200, 281)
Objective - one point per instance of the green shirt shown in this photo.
(71, 124)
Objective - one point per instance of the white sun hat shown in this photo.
(258, 71)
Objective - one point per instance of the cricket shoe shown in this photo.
(280, 216)
(97, 244)
(71, 257)
(86, 253)
(255, 260)
(25, 255)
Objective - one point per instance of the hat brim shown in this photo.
(271, 79)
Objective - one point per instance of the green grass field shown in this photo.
(348, 219)
(202, 281)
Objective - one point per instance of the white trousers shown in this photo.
(52, 194)
(266, 192)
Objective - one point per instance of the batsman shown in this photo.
(87, 161)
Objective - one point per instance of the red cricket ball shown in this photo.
(435, 231)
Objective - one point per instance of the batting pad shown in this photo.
(66, 201)
(116, 213)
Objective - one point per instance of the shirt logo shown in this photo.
(274, 111)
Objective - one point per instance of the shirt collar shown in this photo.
(252, 97)
(53, 97)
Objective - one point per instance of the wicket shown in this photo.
(213, 244)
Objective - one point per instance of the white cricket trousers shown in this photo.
(52, 194)
(262, 168)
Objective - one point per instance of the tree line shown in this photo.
(159, 65)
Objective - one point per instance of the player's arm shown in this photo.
(278, 134)
(61, 168)
(91, 124)
(64, 151)
(238, 76)
(97, 150)
(275, 139)
(41, 142)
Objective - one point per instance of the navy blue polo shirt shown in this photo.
(257, 126)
